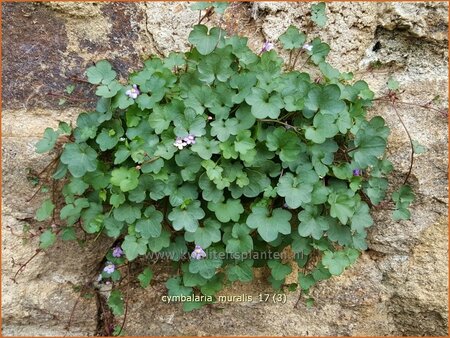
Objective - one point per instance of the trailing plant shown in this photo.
(212, 157)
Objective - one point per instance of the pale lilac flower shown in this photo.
(286, 206)
(198, 253)
(179, 143)
(133, 92)
(356, 172)
(307, 47)
(117, 252)
(190, 139)
(210, 118)
(267, 46)
(109, 268)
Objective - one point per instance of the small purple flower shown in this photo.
(190, 139)
(133, 92)
(267, 46)
(307, 47)
(180, 143)
(117, 252)
(198, 253)
(109, 268)
(356, 172)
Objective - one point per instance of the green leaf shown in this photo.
(48, 142)
(109, 137)
(113, 227)
(241, 241)
(306, 281)
(318, 14)
(319, 51)
(80, 159)
(109, 90)
(117, 199)
(176, 250)
(134, 247)
(115, 302)
(392, 84)
(296, 191)
(213, 286)
(285, 143)
(215, 67)
(264, 105)
(312, 223)
(127, 213)
(46, 239)
(220, 7)
(337, 261)
(150, 226)
(205, 267)
(241, 271)
(45, 211)
(205, 41)
(243, 82)
(176, 288)
(189, 123)
(145, 277)
(186, 218)
(279, 271)
(361, 219)
(102, 72)
(227, 211)
(68, 234)
(342, 205)
(402, 198)
(87, 124)
(205, 235)
(324, 127)
(125, 178)
(326, 99)
(200, 5)
(269, 225)
(156, 244)
(401, 214)
(292, 38)
(370, 142)
(77, 186)
(205, 148)
(223, 129)
(339, 233)
(174, 60)
(244, 143)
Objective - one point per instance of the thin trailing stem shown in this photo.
(296, 58)
(410, 142)
(22, 266)
(126, 304)
(290, 59)
(424, 106)
(280, 122)
(151, 160)
(298, 299)
(350, 150)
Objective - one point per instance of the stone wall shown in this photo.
(398, 287)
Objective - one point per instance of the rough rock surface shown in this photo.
(398, 287)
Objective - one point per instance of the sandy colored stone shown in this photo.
(398, 287)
